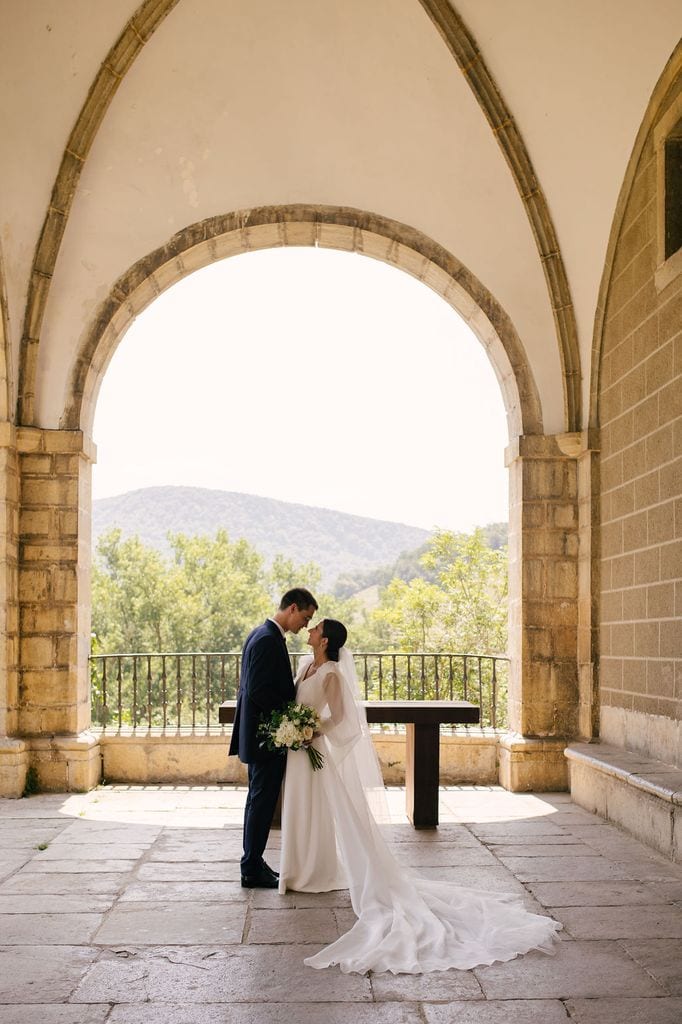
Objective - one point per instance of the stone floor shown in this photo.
(124, 905)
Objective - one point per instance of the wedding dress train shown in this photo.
(331, 840)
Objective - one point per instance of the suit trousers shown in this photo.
(265, 782)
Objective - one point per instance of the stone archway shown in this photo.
(54, 602)
(331, 227)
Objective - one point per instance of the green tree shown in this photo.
(134, 607)
(463, 610)
(206, 598)
(222, 591)
(474, 580)
(407, 617)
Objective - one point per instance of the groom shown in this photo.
(265, 685)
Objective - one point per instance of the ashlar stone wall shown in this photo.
(54, 607)
(640, 410)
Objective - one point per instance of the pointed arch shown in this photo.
(464, 49)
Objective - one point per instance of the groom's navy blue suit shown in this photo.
(265, 685)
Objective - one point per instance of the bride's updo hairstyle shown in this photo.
(336, 635)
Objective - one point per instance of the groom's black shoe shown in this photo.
(265, 879)
(266, 867)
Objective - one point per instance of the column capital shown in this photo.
(37, 440)
(551, 446)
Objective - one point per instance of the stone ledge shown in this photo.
(655, 777)
(201, 757)
(642, 795)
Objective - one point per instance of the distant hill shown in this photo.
(336, 541)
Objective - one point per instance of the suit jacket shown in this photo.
(265, 685)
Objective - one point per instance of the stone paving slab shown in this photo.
(51, 904)
(27, 837)
(439, 986)
(151, 923)
(202, 892)
(541, 849)
(269, 898)
(41, 974)
(627, 893)
(13, 863)
(445, 855)
(573, 816)
(490, 879)
(54, 1013)
(457, 835)
(503, 1011)
(207, 974)
(36, 808)
(647, 870)
(89, 852)
(202, 871)
(625, 1011)
(563, 869)
(271, 1013)
(54, 929)
(553, 840)
(191, 852)
(662, 958)
(579, 969)
(290, 926)
(644, 922)
(667, 890)
(82, 866)
(82, 830)
(62, 883)
(612, 842)
(501, 830)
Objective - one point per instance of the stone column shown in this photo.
(543, 611)
(588, 585)
(54, 604)
(13, 750)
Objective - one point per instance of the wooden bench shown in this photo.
(422, 719)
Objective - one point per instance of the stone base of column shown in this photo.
(14, 761)
(532, 765)
(66, 764)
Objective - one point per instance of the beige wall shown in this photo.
(640, 408)
(468, 757)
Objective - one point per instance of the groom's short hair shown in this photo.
(299, 596)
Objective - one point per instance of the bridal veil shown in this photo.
(406, 924)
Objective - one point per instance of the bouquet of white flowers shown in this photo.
(292, 728)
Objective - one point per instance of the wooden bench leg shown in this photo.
(422, 774)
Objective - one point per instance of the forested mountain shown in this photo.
(407, 566)
(339, 543)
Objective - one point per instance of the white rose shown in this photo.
(307, 733)
(286, 734)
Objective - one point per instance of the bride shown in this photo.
(331, 840)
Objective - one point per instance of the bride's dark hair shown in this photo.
(336, 634)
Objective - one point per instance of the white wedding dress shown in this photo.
(331, 840)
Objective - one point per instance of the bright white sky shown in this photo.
(308, 375)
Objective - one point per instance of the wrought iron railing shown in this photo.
(182, 691)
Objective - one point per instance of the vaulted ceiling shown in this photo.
(500, 129)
